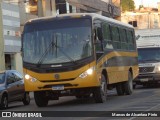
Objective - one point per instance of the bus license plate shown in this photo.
(61, 87)
(144, 80)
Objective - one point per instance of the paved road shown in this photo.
(143, 99)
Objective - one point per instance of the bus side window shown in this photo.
(130, 40)
(123, 37)
(115, 38)
(107, 43)
(98, 39)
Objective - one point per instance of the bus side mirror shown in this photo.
(99, 33)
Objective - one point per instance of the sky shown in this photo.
(146, 3)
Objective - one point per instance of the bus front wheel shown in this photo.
(41, 99)
(100, 93)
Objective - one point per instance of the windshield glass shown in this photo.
(149, 54)
(2, 78)
(58, 41)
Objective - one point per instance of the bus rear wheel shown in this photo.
(41, 99)
(100, 93)
(128, 85)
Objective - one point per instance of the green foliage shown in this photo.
(127, 5)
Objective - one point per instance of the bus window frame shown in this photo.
(117, 27)
(126, 41)
(107, 40)
(96, 39)
(133, 40)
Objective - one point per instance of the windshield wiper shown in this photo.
(53, 44)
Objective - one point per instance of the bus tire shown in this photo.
(128, 85)
(100, 93)
(40, 99)
(120, 89)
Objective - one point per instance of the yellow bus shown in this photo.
(80, 54)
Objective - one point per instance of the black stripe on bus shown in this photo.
(117, 61)
(65, 67)
(120, 61)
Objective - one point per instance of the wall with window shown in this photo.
(11, 27)
(142, 20)
(11, 36)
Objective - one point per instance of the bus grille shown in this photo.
(146, 69)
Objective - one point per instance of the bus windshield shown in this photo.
(57, 41)
(148, 54)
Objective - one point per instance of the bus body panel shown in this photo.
(118, 71)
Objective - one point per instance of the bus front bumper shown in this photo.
(77, 83)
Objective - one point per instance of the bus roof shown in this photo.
(78, 15)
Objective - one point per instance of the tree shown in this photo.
(127, 5)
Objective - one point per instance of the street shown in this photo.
(143, 99)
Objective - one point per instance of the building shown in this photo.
(53, 7)
(40, 8)
(143, 18)
(10, 37)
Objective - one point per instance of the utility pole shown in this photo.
(40, 8)
(46, 8)
(149, 26)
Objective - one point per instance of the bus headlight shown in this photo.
(28, 77)
(87, 72)
(90, 71)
